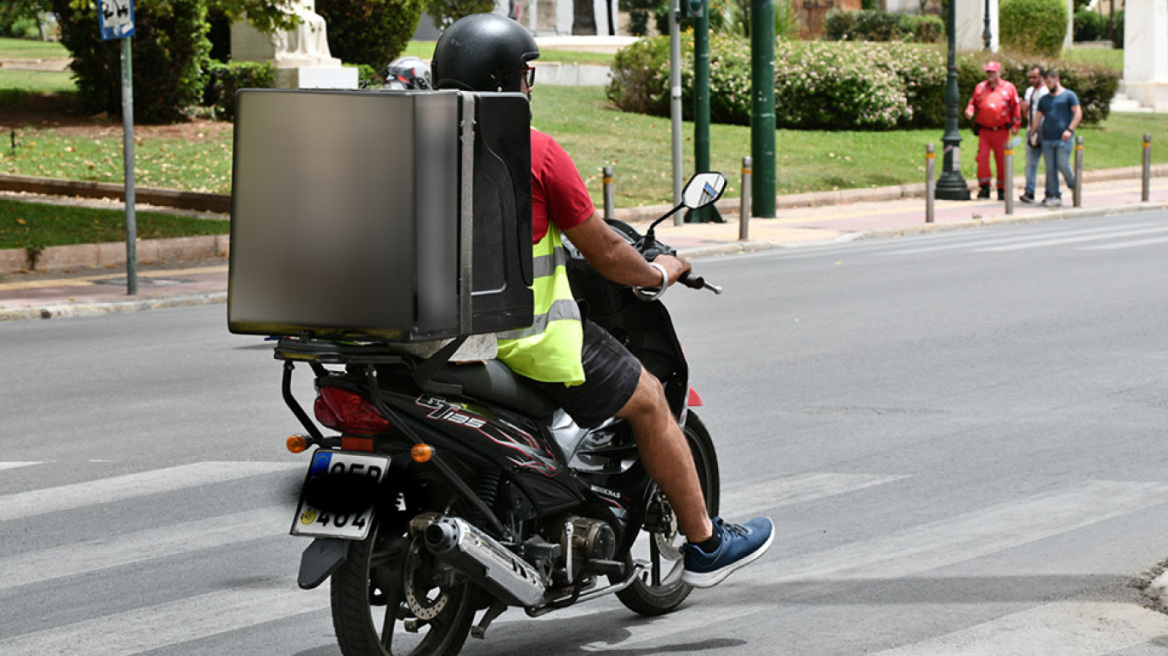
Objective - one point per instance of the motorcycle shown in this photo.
(451, 489)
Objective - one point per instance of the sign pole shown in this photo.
(115, 20)
(128, 151)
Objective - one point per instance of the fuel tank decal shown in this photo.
(529, 453)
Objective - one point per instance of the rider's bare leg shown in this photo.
(667, 456)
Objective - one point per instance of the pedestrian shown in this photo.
(1034, 93)
(1059, 113)
(997, 114)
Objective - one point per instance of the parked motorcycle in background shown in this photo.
(454, 489)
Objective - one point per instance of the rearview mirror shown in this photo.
(703, 189)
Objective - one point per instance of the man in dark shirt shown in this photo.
(1059, 113)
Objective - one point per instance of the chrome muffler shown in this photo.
(490, 564)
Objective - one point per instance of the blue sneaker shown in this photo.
(741, 545)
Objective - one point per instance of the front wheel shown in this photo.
(659, 589)
(388, 599)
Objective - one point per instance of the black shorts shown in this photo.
(611, 375)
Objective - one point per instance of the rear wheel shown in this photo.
(388, 599)
(659, 589)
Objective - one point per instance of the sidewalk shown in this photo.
(89, 290)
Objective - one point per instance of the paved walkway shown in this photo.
(91, 291)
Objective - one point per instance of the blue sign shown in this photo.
(115, 18)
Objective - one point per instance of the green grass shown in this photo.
(36, 225)
(30, 49)
(595, 135)
(17, 81)
(1108, 57)
(199, 164)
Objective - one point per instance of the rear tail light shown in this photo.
(348, 412)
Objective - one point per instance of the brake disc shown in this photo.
(425, 599)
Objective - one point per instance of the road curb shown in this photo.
(112, 307)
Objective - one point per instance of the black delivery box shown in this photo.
(380, 215)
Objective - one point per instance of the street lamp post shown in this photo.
(951, 186)
(987, 35)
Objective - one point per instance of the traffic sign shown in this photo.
(116, 19)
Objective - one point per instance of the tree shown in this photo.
(371, 32)
(170, 49)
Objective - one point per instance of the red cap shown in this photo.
(993, 66)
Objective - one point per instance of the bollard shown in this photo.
(609, 203)
(1008, 177)
(1078, 191)
(744, 206)
(1147, 168)
(930, 182)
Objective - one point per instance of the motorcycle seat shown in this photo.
(493, 382)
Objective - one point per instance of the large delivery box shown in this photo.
(380, 216)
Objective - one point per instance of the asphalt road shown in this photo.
(961, 438)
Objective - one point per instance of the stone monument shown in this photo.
(301, 54)
(1145, 53)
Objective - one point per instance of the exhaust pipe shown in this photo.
(489, 563)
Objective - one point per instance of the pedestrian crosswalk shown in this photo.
(175, 618)
(1116, 233)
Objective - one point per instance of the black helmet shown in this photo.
(483, 52)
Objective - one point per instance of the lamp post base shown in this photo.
(951, 186)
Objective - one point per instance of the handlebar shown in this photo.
(698, 282)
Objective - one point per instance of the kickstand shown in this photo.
(496, 609)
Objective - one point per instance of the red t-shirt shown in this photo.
(556, 188)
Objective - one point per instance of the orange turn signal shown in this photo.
(421, 452)
(297, 443)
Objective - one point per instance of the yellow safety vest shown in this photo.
(550, 350)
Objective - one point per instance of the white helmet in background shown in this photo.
(407, 73)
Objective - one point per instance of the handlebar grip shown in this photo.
(698, 282)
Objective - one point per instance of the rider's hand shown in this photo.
(674, 266)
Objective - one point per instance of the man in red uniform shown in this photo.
(998, 114)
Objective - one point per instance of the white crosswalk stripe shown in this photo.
(1060, 241)
(983, 241)
(748, 500)
(922, 548)
(105, 553)
(1073, 628)
(16, 465)
(1135, 243)
(154, 627)
(776, 578)
(130, 486)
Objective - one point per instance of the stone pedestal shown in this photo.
(301, 55)
(1145, 53)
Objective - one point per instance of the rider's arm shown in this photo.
(616, 260)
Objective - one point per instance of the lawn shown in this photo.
(30, 49)
(596, 135)
(36, 225)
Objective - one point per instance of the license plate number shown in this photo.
(335, 501)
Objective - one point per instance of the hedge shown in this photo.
(370, 32)
(170, 54)
(226, 78)
(1035, 27)
(882, 26)
(835, 85)
(1089, 26)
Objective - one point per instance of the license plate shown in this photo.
(338, 496)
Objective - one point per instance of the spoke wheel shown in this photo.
(659, 589)
(386, 600)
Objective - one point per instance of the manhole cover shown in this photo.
(144, 282)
